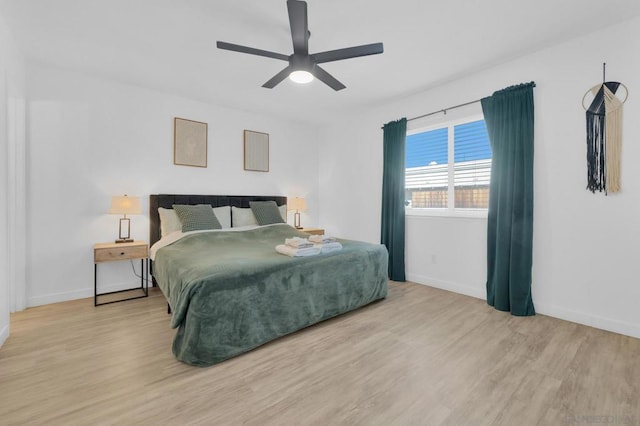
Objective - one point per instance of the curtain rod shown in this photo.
(532, 84)
(444, 110)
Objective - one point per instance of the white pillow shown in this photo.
(224, 216)
(283, 212)
(242, 217)
(169, 221)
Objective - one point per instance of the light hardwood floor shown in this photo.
(422, 356)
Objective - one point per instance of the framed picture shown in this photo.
(256, 151)
(189, 142)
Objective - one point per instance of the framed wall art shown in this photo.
(189, 142)
(256, 151)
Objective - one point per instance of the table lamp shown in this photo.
(125, 205)
(298, 204)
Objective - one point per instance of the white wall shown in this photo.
(11, 179)
(90, 139)
(585, 246)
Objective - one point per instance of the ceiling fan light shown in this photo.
(301, 77)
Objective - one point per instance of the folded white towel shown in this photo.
(297, 252)
(298, 242)
(321, 239)
(329, 247)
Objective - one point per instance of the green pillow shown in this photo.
(266, 212)
(196, 218)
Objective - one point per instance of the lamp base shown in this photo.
(124, 230)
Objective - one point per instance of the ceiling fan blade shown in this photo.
(299, 26)
(327, 78)
(348, 52)
(250, 50)
(276, 79)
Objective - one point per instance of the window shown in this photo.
(433, 181)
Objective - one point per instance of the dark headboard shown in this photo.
(168, 200)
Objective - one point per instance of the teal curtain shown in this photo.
(508, 114)
(392, 232)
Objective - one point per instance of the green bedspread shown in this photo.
(231, 291)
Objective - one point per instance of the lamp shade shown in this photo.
(125, 205)
(297, 203)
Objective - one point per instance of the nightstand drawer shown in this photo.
(109, 254)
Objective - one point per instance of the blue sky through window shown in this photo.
(471, 141)
(425, 148)
(428, 148)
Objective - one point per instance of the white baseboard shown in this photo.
(620, 327)
(59, 297)
(73, 295)
(447, 285)
(4, 334)
(615, 326)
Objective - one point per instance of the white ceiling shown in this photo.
(170, 44)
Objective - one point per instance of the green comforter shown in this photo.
(231, 291)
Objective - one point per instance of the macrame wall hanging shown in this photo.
(604, 134)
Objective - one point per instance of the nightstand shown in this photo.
(313, 231)
(111, 252)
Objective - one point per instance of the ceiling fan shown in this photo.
(303, 66)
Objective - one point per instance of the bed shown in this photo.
(230, 291)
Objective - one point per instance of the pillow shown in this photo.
(224, 216)
(169, 221)
(198, 217)
(266, 212)
(242, 217)
(283, 212)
